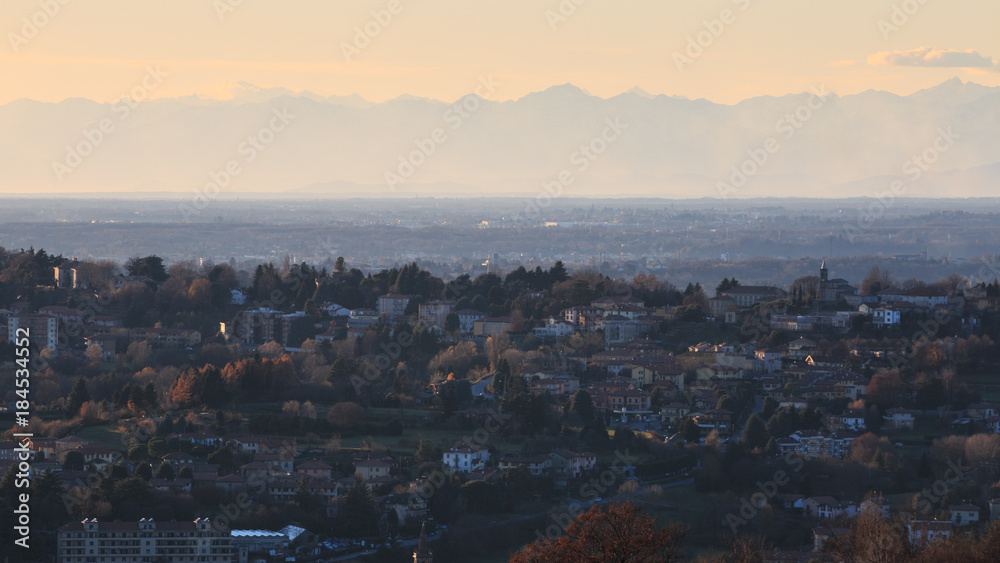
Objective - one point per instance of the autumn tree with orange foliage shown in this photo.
(620, 533)
(260, 374)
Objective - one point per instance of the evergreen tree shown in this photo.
(77, 397)
(359, 515)
(165, 471)
(144, 471)
(755, 434)
(583, 406)
(558, 272)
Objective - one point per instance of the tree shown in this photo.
(452, 323)
(726, 284)
(873, 538)
(876, 280)
(77, 397)
(688, 429)
(558, 272)
(144, 471)
(346, 415)
(156, 447)
(74, 461)
(726, 402)
(426, 451)
(150, 266)
(340, 370)
(359, 515)
(583, 406)
(755, 434)
(165, 471)
(769, 407)
(620, 532)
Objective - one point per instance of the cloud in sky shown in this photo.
(930, 57)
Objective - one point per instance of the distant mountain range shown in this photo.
(662, 146)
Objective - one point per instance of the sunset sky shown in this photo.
(439, 48)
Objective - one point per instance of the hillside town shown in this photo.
(193, 412)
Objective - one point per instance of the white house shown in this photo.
(884, 316)
(924, 532)
(466, 458)
(572, 463)
(854, 420)
(964, 514)
(237, 297)
(335, 310)
(554, 329)
(899, 419)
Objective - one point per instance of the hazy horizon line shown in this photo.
(252, 88)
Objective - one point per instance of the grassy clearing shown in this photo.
(101, 435)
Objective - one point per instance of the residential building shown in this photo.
(619, 329)
(64, 314)
(43, 330)
(616, 301)
(467, 319)
(720, 306)
(491, 326)
(964, 514)
(316, 469)
(371, 469)
(554, 328)
(106, 344)
(899, 419)
(571, 463)
(923, 532)
(559, 385)
(91, 541)
(815, 444)
(749, 295)
(885, 316)
(466, 458)
(237, 297)
(853, 420)
(433, 313)
(260, 326)
(65, 276)
(392, 305)
(360, 320)
(534, 465)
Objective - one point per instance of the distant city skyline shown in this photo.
(724, 51)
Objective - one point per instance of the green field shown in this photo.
(101, 435)
(987, 384)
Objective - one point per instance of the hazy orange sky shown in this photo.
(439, 48)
